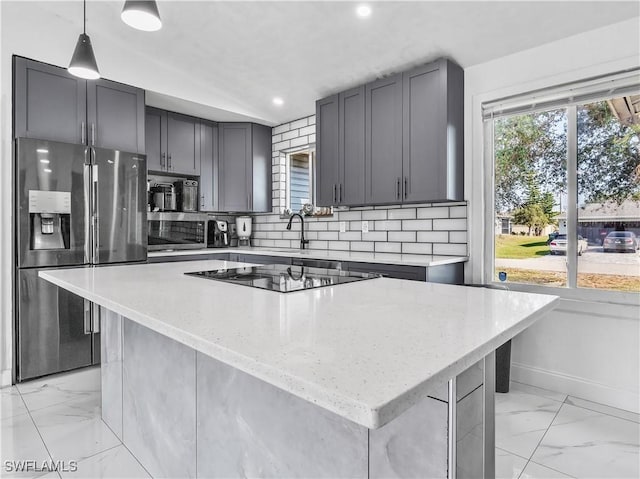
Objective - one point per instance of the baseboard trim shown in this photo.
(5, 378)
(576, 386)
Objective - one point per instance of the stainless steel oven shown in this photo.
(177, 230)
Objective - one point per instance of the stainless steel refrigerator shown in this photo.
(76, 206)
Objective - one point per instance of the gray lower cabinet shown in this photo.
(244, 167)
(52, 104)
(412, 128)
(383, 154)
(115, 116)
(208, 166)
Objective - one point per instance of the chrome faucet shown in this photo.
(303, 241)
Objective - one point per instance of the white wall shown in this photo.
(585, 349)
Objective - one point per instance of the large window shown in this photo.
(566, 184)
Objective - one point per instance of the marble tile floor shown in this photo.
(539, 434)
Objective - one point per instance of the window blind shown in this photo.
(590, 90)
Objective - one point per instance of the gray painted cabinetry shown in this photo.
(208, 166)
(411, 127)
(51, 104)
(174, 142)
(245, 167)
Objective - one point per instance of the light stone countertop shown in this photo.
(366, 351)
(357, 256)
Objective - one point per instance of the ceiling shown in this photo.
(227, 60)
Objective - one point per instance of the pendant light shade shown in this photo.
(83, 62)
(142, 15)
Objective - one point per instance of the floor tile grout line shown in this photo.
(512, 453)
(542, 439)
(553, 469)
(600, 412)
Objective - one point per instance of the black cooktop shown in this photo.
(283, 278)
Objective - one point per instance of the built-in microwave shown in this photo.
(177, 230)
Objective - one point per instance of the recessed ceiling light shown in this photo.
(363, 11)
(278, 101)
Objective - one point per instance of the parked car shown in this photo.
(559, 245)
(621, 241)
(552, 236)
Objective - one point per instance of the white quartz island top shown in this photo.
(424, 260)
(366, 350)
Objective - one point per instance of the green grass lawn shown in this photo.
(518, 247)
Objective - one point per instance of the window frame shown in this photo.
(571, 291)
(311, 149)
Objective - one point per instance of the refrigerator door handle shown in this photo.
(88, 217)
(83, 133)
(95, 222)
(93, 134)
(95, 318)
(87, 316)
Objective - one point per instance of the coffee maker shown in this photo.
(217, 234)
(243, 230)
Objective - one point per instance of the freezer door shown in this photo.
(52, 203)
(119, 183)
(54, 328)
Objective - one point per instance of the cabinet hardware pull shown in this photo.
(93, 134)
(87, 317)
(405, 187)
(340, 193)
(162, 161)
(168, 162)
(83, 133)
(398, 189)
(334, 194)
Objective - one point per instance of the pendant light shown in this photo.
(141, 15)
(83, 62)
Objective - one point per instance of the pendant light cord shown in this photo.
(84, 16)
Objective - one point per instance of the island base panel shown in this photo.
(185, 414)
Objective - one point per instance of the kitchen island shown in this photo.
(375, 378)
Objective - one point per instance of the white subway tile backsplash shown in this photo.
(307, 130)
(318, 244)
(299, 123)
(311, 119)
(290, 134)
(388, 247)
(450, 225)
(350, 236)
(433, 236)
(281, 128)
(318, 226)
(433, 212)
(374, 235)
(282, 243)
(300, 141)
(417, 248)
(374, 215)
(290, 235)
(450, 249)
(457, 237)
(312, 138)
(387, 225)
(402, 236)
(458, 212)
(349, 215)
(362, 246)
(281, 145)
(402, 214)
(416, 225)
(328, 235)
(276, 138)
(339, 245)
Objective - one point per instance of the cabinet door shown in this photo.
(156, 139)
(115, 116)
(351, 187)
(424, 142)
(49, 102)
(208, 167)
(235, 166)
(183, 144)
(262, 181)
(327, 158)
(383, 147)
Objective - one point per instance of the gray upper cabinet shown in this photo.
(183, 144)
(340, 149)
(433, 133)
(49, 102)
(155, 139)
(115, 116)
(244, 167)
(208, 166)
(383, 146)
(413, 139)
(327, 141)
(351, 187)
